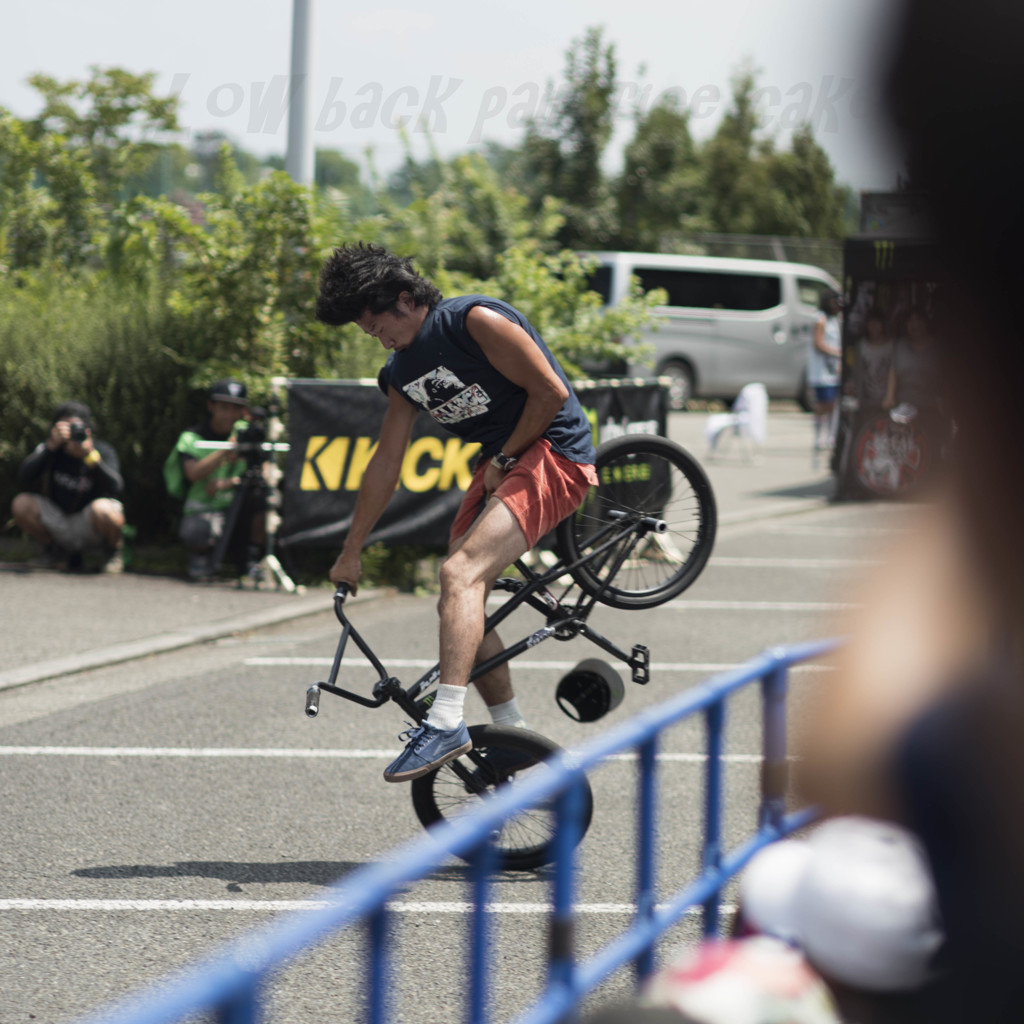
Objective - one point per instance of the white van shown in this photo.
(727, 322)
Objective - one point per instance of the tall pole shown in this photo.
(300, 156)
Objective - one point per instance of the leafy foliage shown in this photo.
(134, 303)
(134, 271)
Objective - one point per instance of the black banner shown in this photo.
(333, 428)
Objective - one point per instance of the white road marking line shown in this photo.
(794, 563)
(752, 606)
(837, 531)
(521, 664)
(762, 606)
(400, 907)
(297, 753)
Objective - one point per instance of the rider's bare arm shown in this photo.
(514, 354)
(377, 487)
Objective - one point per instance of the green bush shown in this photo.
(157, 302)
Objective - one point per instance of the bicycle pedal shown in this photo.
(640, 664)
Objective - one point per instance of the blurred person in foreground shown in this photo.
(923, 722)
(74, 506)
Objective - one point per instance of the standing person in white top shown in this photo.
(823, 369)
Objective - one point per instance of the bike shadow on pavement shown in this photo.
(287, 872)
(236, 873)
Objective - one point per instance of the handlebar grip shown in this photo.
(313, 701)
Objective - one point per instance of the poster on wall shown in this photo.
(333, 427)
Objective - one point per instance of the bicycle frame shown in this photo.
(613, 544)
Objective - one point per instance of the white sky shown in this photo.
(476, 67)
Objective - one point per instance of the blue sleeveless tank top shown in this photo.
(445, 372)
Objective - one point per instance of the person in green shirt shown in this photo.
(212, 478)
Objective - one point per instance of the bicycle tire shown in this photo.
(642, 475)
(525, 841)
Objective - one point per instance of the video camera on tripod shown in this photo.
(257, 485)
(251, 443)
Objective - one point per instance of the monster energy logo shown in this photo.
(885, 253)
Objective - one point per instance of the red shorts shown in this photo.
(540, 490)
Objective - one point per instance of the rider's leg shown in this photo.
(492, 543)
(534, 495)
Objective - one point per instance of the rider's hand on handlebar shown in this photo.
(346, 570)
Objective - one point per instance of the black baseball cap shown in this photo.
(228, 390)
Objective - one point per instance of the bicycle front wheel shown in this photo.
(641, 475)
(500, 755)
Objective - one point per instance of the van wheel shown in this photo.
(680, 388)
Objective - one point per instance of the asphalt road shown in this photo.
(155, 809)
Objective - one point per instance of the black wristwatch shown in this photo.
(503, 462)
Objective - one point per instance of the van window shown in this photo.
(810, 291)
(600, 281)
(711, 290)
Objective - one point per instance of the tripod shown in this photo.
(253, 485)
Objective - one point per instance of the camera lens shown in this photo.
(78, 432)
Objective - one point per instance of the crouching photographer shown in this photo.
(72, 507)
(215, 467)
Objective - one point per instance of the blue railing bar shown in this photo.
(711, 854)
(479, 942)
(630, 944)
(774, 685)
(649, 721)
(670, 913)
(646, 883)
(243, 1008)
(377, 966)
(562, 938)
(228, 973)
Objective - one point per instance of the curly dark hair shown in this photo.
(73, 411)
(366, 277)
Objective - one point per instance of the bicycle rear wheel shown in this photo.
(500, 755)
(641, 475)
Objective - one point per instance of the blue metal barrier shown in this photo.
(229, 985)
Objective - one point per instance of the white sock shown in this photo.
(446, 711)
(507, 714)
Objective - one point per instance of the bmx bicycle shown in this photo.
(641, 536)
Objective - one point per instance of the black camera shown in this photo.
(251, 440)
(79, 431)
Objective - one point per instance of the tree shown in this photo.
(112, 118)
(561, 154)
(809, 203)
(658, 194)
(738, 182)
(733, 175)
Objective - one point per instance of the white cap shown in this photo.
(768, 888)
(862, 908)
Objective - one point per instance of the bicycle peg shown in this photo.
(313, 701)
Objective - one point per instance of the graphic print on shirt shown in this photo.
(446, 398)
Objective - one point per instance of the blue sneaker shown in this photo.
(428, 748)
